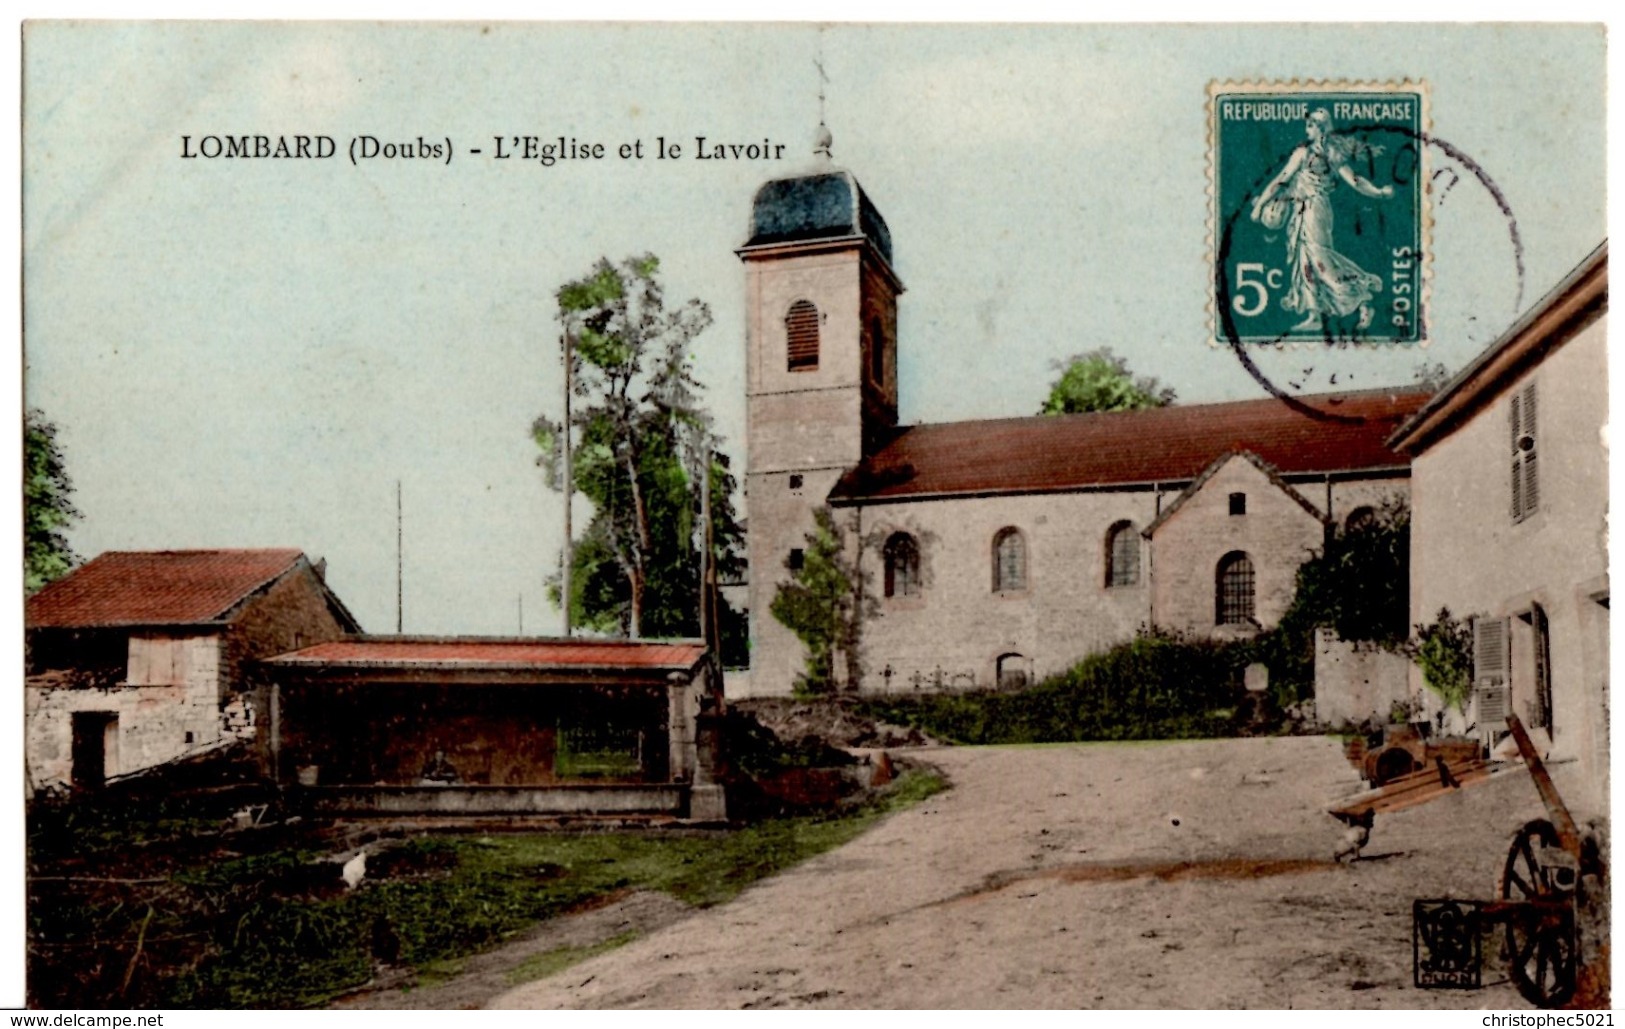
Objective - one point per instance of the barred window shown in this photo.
(902, 566)
(801, 329)
(1122, 555)
(1234, 601)
(1009, 561)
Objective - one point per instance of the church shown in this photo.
(995, 553)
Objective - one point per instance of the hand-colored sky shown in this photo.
(251, 353)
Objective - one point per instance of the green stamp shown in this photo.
(1319, 220)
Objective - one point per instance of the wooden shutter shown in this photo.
(1525, 448)
(801, 330)
(1516, 420)
(1531, 480)
(1491, 660)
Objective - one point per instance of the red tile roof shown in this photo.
(1334, 432)
(466, 652)
(162, 587)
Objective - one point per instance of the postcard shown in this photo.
(542, 515)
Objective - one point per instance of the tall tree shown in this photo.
(47, 509)
(1101, 381)
(643, 441)
(824, 603)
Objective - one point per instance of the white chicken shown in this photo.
(354, 870)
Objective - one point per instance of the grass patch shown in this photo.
(273, 930)
(540, 966)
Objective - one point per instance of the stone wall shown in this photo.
(1276, 533)
(951, 634)
(1357, 682)
(169, 708)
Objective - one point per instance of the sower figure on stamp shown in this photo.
(1323, 282)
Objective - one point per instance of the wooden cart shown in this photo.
(1539, 897)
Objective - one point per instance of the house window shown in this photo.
(1525, 478)
(798, 558)
(1542, 713)
(1238, 503)
(1009, 561)
(1122, 555)
(1012, 672)
(801, 329)
(902, 566)
(795, 482)
(1235, 589)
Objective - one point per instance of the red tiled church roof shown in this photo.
(165, 587)
(1334, 432)
(473, 652)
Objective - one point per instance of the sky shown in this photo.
(248, 353)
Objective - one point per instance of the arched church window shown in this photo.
(1122, 555)
(902, 566)
(1009, 561)
(801, 329)
(1234, 588)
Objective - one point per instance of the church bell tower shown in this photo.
(820, 374)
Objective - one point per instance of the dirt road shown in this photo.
(1189, 874)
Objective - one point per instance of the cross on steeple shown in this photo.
(823, 141)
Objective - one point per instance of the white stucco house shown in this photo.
(1509, 501)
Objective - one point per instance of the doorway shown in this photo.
(95, 747)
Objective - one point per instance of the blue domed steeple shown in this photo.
(822, 202)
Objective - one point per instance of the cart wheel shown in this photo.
(1540, 947)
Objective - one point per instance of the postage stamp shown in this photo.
(1319, 216)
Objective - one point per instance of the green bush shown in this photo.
(1156, 686)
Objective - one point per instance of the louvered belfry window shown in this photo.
(801, 330)
(1525, 473)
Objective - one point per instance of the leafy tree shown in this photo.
(642, 437)
(1444, 652)
(1101, 381)
(47, 511)
(823, 604)
(1359, 584)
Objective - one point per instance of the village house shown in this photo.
(998, 552)
(1509, 499)
(144, 657)
(391, 725)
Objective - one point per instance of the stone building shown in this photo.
(999, 551)
(472, 725)
(1509, 498)
(140, 658)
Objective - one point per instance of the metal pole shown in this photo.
(569, 488)
(707, 616)
(400, 560)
